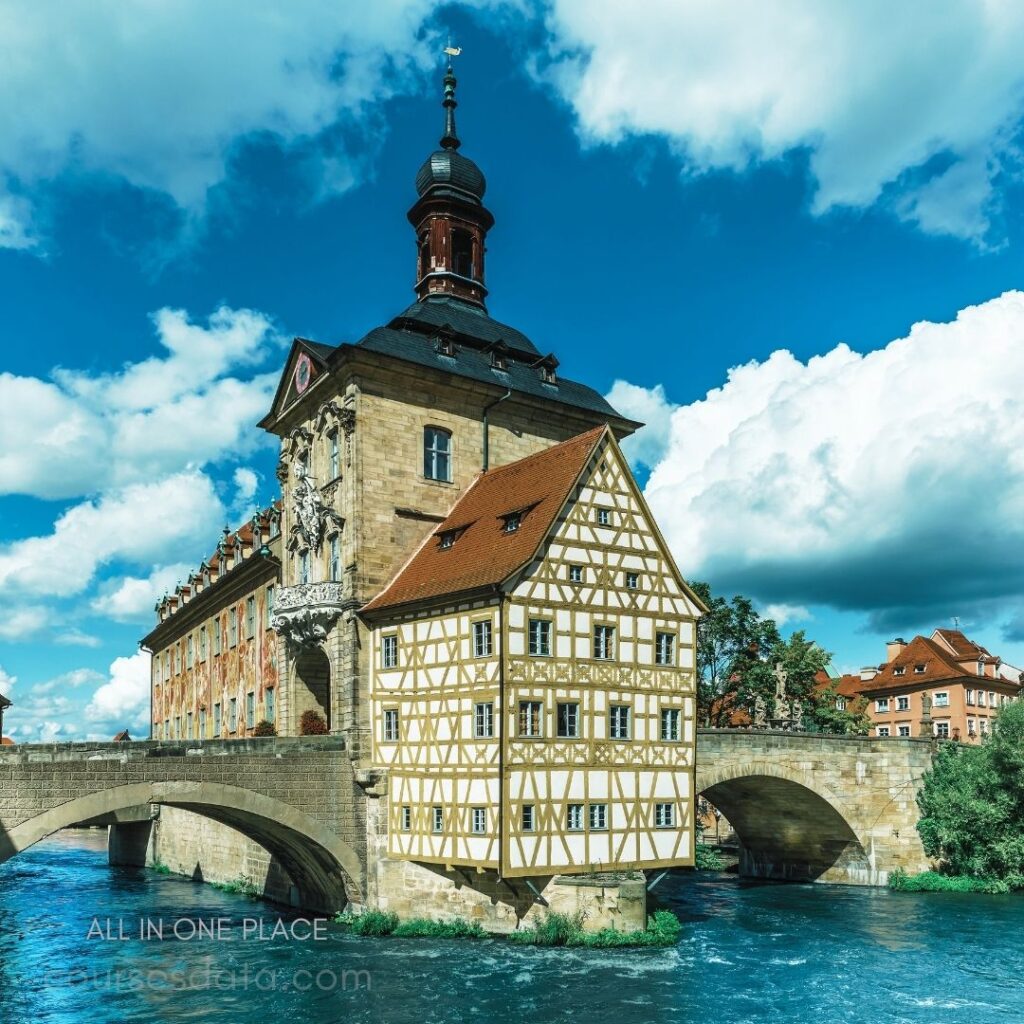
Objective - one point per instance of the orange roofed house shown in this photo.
(965, 686)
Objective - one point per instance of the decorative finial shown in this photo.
(450, 140)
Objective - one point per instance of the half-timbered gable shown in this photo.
(532, 703)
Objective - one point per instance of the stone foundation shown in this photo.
(207, 851)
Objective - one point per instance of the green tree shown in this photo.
(972, 804)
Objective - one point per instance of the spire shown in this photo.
(450, 140)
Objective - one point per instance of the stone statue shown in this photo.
(781, 704)
(311, 514)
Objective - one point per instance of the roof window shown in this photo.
(513, 521)
(446, 539)
(919, 669)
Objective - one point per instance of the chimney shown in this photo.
(894, 648)
(868, 673)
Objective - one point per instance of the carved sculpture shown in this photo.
(312, 515)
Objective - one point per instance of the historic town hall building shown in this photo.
(463, 580)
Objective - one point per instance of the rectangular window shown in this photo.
(618, 722)
(202, 644)
(190, 651)
(406, 818)
(513, 521)
(575, 573)
(270, 608)
(202, 723)
(528, 818)
(250, 616)
(981, 698)
(437, 454)
(883, 730)
(902, 703)
(389, 651)
(598, 817)
(270, 698)
(177, 727)
(664, 815)
(391, 726)
(335, 455)
(482, 639)
(216, 720)
(903, 730)
(233, 715)
(991, 699)
(335, 568)
(167, 728)
(670, 724)
(479, 820)
(604, 642)
(530, 718)
(540, 638)
(882, 705)
(569, 721)
(970, 697)
(483, 721)
(574, 817)
(984, 726)
(942, 729)
(665, 649)
(174, 660)
(216, 635)
(232, 627)
(632, 580)
(250, 710)
(303, 566)
(188, 725)
(437, 822)
(604, 517)
(942, 699)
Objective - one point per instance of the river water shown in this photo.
(750, 952)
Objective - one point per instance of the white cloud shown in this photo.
(133, 597)
(872, 91)
(77, 434)
(141, 523)
(7, 681)
(784, 613)
(653, 409)
(891, 482)
(19, 623)
(158, 94)
(123, 701)
(75, 637)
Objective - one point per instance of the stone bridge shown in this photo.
(829, 808)
(813, 807)
(296, 797)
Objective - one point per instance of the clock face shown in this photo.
(303, 372)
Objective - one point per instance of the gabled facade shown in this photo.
(944, 685)
(532, 682)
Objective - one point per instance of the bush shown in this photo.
(663, 929)
(370, 922)
(264, 728)
(241, 886)
(456, 928)
(312, 723)
(707, 859)
(934, 881)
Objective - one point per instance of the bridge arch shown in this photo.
(326, 869)
(789, 823)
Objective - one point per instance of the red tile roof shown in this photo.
(939, 667)
(961, 646)
(7, 742)
(483, 554)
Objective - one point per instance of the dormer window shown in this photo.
(513, 521)
(919, 669)
(547, 374)
(446, 346)
(981, 668)
(446, 539)
(499, 357)
(900, 670)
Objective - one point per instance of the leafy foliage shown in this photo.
(455, 928)
(663, 929)
(706, 858)
(972, 804)
(312, 723)
(933, 881)
(737, 655)
(264, 728)
(370, 922)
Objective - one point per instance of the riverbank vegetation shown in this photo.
(707, 858)
(663, 929)
(972, 813)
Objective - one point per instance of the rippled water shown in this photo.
(785, 954)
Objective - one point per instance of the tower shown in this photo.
(449, 217)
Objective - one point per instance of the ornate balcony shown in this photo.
(304, 613)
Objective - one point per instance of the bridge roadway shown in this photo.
(828, 808)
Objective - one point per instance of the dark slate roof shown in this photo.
(463, 318)
(475, 363)
(446, 168)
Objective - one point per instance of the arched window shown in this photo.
(437, 454)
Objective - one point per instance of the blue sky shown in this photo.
(725, 218)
